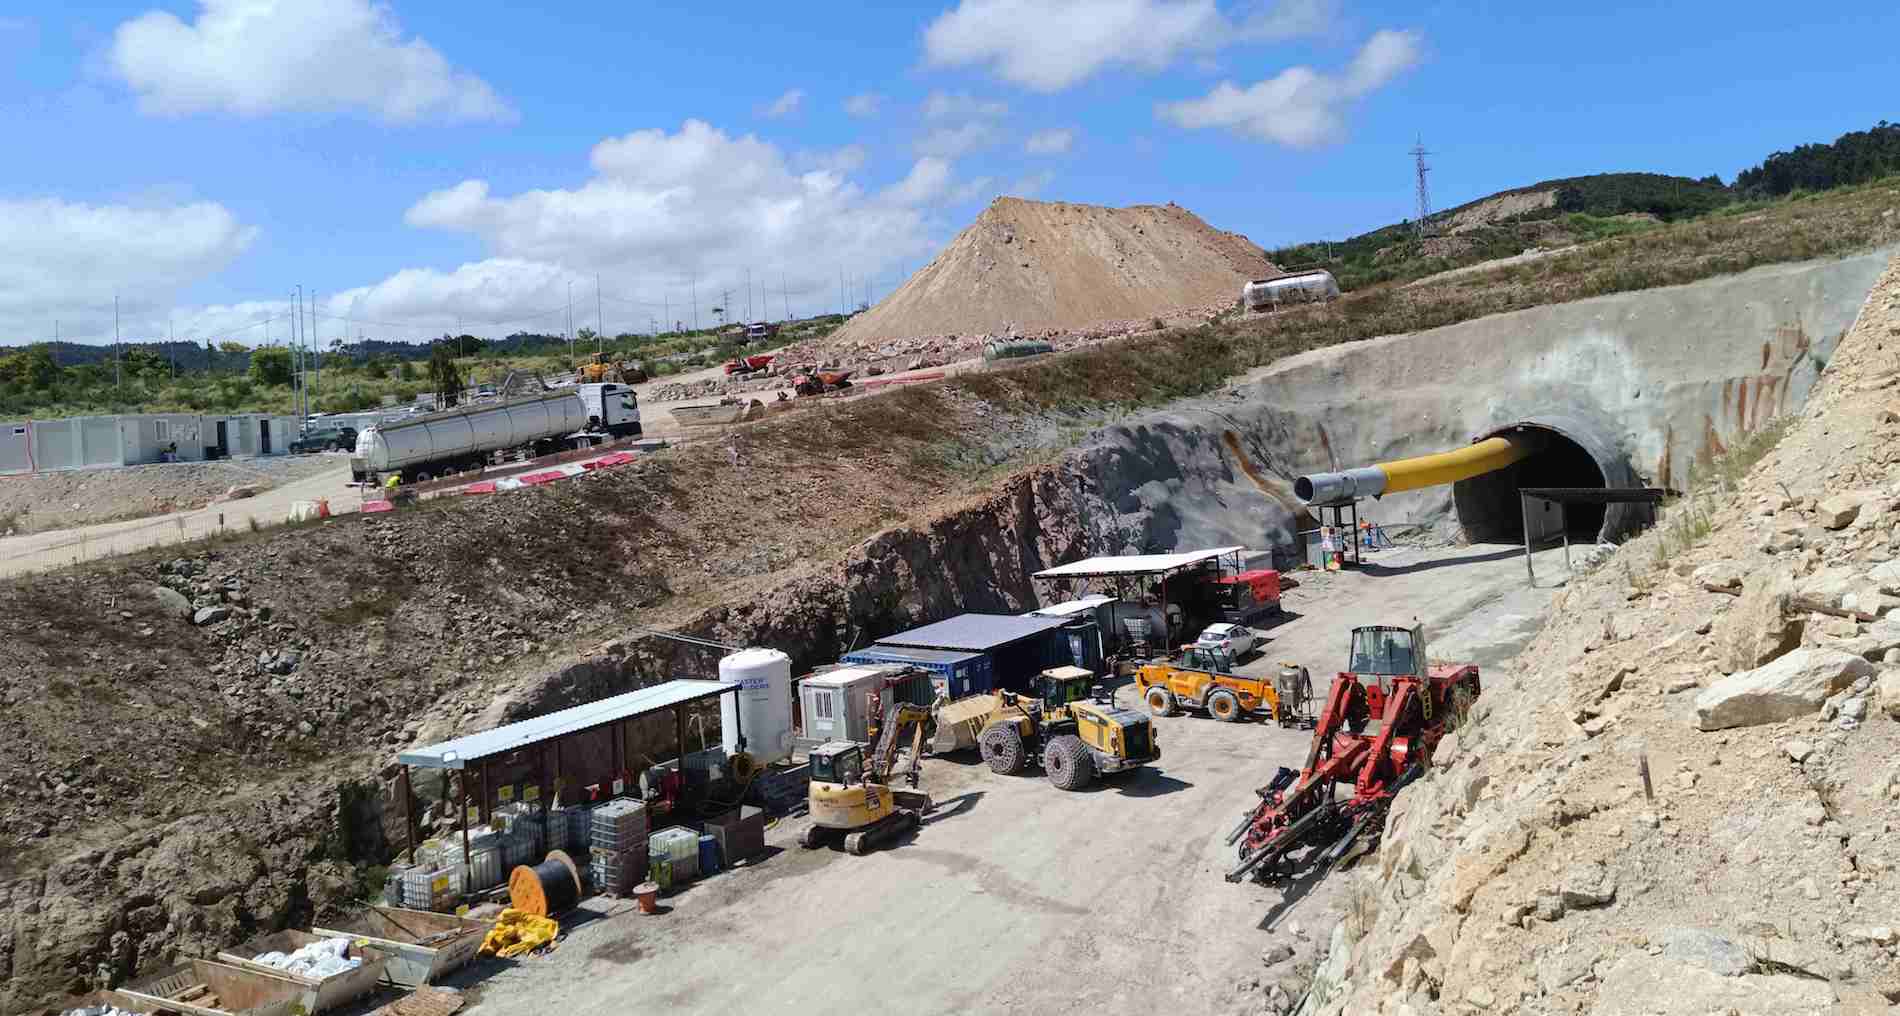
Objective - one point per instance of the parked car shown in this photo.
(325, 439)
(1235, 639)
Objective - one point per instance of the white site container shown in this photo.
(761, 711)
(832, 704)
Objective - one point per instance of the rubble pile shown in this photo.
(1684, 797)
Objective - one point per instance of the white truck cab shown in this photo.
(611, 407)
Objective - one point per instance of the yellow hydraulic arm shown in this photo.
(899, 716)
(1464, 463)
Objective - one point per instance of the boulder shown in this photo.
(1793, 685)
(1762, 626)
(1660, 986)
(1840, 511)
(1588, 885)
(1887, 693)
(1706, 950)
(210, 615)
(172, 602)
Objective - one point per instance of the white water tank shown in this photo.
(763, 712)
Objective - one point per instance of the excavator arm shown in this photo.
(899, 717)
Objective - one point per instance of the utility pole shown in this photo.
(316, 333)
(841, 312)
(748, 296)
(600, 319)
(171, 344)
(570, 319)
(693, 291)
(117, 386)
(785, 296)
(1424, 193)
(666, 308)
(727, 304)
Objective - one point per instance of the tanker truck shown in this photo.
(473, 436)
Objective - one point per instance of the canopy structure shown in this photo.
(1134, 564)
(457, 754)
(1565, 496)
(974, 632)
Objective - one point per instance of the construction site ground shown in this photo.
(1018, 897)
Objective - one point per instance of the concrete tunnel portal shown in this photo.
(1488, 475)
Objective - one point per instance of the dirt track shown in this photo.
(1008, 882)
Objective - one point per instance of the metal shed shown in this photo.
(1019, 646)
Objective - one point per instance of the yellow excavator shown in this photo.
(852, 799)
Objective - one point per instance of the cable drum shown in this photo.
(549, 888)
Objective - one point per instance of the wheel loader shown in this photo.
(1204, 680)
(1074, 730)
(851, 798)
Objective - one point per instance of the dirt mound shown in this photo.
(1036, 265)
(1496, 209)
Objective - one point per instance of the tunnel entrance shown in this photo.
(1491, 511)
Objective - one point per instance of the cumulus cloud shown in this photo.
(65, 261)
(1049, 45)
(956, 142)
(784, 105)
(1050, 142)
(961, 106)
(663, 212)
(844, 159)
(864, 104)
(1299, 106)
(255, 57)
(1032, 185)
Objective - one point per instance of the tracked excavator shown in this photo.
(852, 798)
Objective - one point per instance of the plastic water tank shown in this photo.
(763, 712)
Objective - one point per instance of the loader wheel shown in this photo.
(1003, 750)
(1161, 701)
(1068, 762)
(1224, 706)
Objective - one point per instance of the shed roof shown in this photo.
(974, 632)
(458, 753)
(910, 653)
(1134, 564)
(1069, 608)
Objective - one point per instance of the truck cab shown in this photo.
(611, 407)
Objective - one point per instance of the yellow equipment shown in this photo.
(1383, 478)
(855, 801)
(517, 932)
(598, 368)
(1204, 679)
(1074, 729)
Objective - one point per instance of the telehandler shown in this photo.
(1076, 731)
(1204, 679)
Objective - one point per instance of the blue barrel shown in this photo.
(708, 856)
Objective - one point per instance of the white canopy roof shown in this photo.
(458, 753)
(1134, 564)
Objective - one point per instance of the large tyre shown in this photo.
(1068, 763)
(1160, 701)
(1003, 749)
(810, 837)
(1224, 705)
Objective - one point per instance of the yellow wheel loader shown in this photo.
(851, 798)
(1067, 724)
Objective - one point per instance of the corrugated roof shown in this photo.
(912, 653)
(1134, 564)
(974, 632)
(1070, 608)
(458, 753)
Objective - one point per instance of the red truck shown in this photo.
(749, 364)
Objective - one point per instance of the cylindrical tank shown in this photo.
(1305, 286)
(470, 430)
(1006, 349)
(763, 710)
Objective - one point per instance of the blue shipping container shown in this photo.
(953, 674)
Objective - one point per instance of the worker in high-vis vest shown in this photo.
(390, 485)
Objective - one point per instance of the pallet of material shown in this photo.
(421, 947)
(206, 988)
(321, 994)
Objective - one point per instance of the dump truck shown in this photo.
(1068, 724)
(1204, 679)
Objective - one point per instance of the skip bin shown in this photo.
(321, 994)
(225, 990)
(421, 947)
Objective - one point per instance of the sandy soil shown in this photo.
(1012, 879)
(35, 502)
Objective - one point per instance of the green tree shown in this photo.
(271, 365)
(406, 371)
(37, 368)
(444, 374)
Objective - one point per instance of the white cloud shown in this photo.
(1299, 106)
(956, 142)
(1049, 45)
(1032, 185)
(864, 104)
(961, 106)
(784, 105)
(662, 213)
(1054, 141)
(972, 190)
(65, 261)
(254, 57)
(844, 159)
(927, 180)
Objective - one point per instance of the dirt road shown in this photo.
(1017, 897)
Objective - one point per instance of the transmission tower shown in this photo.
(1424, 191)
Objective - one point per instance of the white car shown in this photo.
(1237, 640)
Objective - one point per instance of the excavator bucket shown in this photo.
(959, 722)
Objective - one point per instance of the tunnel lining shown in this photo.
(1570, 453)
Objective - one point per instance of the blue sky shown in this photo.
(421, 165)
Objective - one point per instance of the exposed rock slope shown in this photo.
(1534, 872)
(1038, 265)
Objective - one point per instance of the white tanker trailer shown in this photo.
(470, 437)
(1300, 287)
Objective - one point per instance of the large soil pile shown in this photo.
(1040, 265)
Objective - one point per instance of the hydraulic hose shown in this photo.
(1383, 478)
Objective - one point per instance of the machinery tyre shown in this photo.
(1161, 701)
(809, 838)
(1224, 706)
(857, 844)
(1068, 762)
(1003, 749)
(424, 476)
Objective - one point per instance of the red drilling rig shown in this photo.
(1415, 704)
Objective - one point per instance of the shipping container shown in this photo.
(954, 674)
